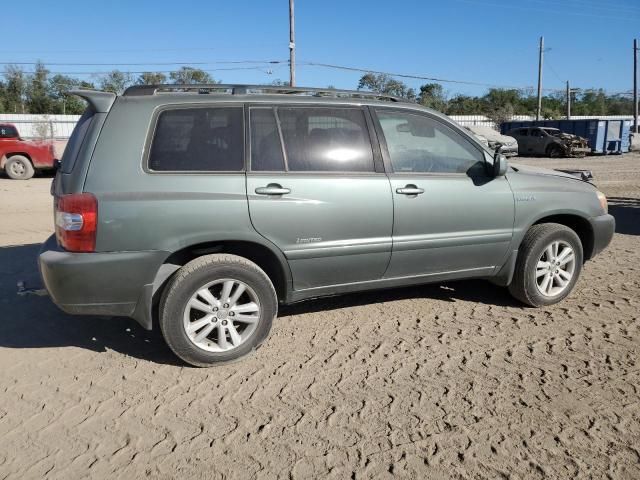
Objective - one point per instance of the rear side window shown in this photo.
(76, 139)
(266, 148)
(326, 139)
(8, 131)
(198, 139)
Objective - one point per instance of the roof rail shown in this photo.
(233, 89)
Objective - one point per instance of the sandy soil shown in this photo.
(444, 381)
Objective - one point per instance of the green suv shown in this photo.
(207, 206)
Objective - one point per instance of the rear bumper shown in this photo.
(110, 283)
(603, 228)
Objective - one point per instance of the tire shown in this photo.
(19, 167)
(533, 267)
(555, 151)
(213, 336)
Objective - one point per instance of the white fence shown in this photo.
(61, 126)
(41, 126)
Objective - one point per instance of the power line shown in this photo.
(420, 77)
(138, 64)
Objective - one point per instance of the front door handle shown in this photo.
(272, 189)
(410, 190)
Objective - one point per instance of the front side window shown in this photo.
(320, 139)
(417, 143)
(198, 139)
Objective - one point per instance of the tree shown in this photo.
(151, 78)
(59, 87)
(190, 76)
(432, 95)
(15, 89)
(384, 84)
(37, 90)
(115, 81)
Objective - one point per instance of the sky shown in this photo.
(485, 42)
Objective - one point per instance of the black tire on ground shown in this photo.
(524, 285)
(555, 151)
(192, 277)
(19, 167)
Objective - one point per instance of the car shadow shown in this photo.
(627, 214)
(35, 322)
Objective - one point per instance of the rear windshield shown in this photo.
(75, 141)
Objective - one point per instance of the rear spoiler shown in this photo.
(100, 101)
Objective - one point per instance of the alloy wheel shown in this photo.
(221, 315)
(555, 268)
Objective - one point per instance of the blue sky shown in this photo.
(485, 41)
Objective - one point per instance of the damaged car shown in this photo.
(505, 144)
(550, 142)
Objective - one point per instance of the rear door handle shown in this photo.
(272, 189)
(410, 190)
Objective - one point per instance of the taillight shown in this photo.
(76, 218)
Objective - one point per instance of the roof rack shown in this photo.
(205, 88)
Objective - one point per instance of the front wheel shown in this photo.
(217, 308)
(548, 265)
(555, 151)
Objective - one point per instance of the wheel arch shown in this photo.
(578, 224)
(267, 257)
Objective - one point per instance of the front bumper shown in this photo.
(109, 283)
(603, 228)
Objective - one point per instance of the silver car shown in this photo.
(205, 207)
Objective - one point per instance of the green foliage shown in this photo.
(151, 78)
(115, 81)
(39, 92)
(38, 99)
(190, 76)
(385, 84)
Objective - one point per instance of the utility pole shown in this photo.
(568, 101)
(635, 85)
(292, 46)
(540, 59)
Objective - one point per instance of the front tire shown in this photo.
(217, 308)
(548, 265)
(19, 167)
(555, 151)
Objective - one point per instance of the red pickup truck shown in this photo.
(20, 158)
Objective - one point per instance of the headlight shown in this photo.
(603, 201)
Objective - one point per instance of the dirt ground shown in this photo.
(444, 381)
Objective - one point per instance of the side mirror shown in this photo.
(57, 163)
(500, 165)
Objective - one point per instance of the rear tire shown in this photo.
(19, 167)
(544, 275)
(216, 309)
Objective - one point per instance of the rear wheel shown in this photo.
(19, 167)
(217, 308)
(548, 266)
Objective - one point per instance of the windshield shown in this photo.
(552, 131)
(75, 141)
